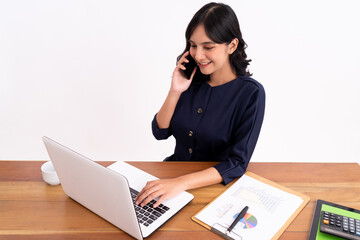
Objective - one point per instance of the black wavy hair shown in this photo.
(221, 26)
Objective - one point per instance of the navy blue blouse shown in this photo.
(219, 124)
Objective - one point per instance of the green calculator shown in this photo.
(333, 221)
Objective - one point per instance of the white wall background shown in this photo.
(92, 74)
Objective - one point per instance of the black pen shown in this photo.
(237, 219)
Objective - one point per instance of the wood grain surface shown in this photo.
(32, 209)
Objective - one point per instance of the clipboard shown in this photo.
(239, 189)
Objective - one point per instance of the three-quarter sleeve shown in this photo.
(245, 137)
(160, 133)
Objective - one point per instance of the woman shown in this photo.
(217, 114)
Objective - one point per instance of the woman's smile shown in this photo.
(204, 64)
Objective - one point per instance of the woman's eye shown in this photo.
(208, 48)
(193, 46)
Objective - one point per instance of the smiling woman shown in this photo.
(218, 24)
(216, 114)
(212, 58)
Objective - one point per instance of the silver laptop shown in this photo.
(109, 192)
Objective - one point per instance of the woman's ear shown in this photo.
(233, 45)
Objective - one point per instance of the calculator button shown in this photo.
(326, 221)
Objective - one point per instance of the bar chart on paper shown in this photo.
(259, 197)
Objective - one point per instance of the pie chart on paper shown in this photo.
(248, 220)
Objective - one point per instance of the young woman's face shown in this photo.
(211, 57)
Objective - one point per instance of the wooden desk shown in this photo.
(31, 209)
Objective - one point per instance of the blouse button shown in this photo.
(191, 133)
(190, 150)
(199, 111)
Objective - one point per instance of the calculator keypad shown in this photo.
(341, 226)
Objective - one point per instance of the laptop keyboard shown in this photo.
(147, 214)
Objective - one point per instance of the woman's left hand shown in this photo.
(162, 188)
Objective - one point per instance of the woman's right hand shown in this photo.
(179, 82)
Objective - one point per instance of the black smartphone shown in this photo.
(189, 66)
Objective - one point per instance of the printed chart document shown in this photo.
(272, 208)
